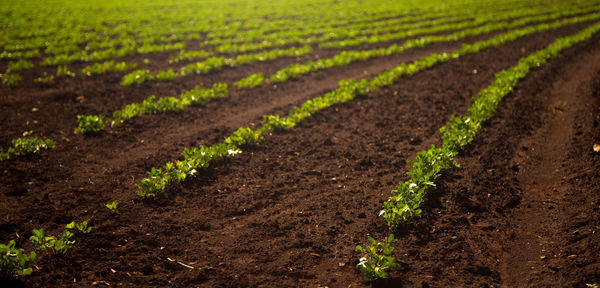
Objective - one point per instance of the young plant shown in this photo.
(63, 71)
(112, 206)
(31, 145)
(166, 75)
(194, 160)
(20, 65)
(137, 77)
(244, 136)
(59, 244)
(89, 123)
(189, 55)
(250, 82)
(13, 262)
(81, 227)
(23, 146)
(10, 79)
(377, 260)
(44, 79)
(4, 156)
(108, 66)
(403, 205)
(153, 185)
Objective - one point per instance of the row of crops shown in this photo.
(68, 39)
(24, 51)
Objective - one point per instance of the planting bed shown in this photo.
(523, 208)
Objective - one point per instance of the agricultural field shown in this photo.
(357, 143)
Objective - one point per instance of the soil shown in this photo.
(522, 210)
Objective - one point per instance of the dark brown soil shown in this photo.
(521, 211)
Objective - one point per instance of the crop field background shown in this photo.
(239, 143)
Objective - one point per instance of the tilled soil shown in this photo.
(521, 211)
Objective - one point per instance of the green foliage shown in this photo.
(19, 65)
(405, 201)
(128, 48)
(89, 123)
(377, 259)
(265, 27)
(112, 206)
(14, 55)
(457, 133)
(206, 66)
(108, 66)
(63, 71)
(13, 262)
(57, 244)
(211, 64)
(407, 197)
(62, 242)
(10, 79)
(166, 75)
(348, 90)
(189, 55)
(251, 81)
(154, 184)
(137, 77)
(46, 79)
(193, 160)
(272, 122)
(24, 146)
(81, 227)
(152, 105)
(244, 136)
(347, 57)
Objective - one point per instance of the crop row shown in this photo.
(212, 64)
(99, 35)
(200, 157)
(153, 105)
(342, 37)
(25, 146)
(341, 59)
(347, 57)
(245, 42)
(15, 262)
(129, 47)
(404, 203)
(513, 17)
(63, 51)
(456, 134)
(369, 32)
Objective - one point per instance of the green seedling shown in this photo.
(10, 79)
(250, 82)
(81, 227)
(13, 262)
(24, 146)
(112, 206)
(63, 71)
(57, 244)
(44, 79)
(377, 260)
(89, 123)
(20, 65)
